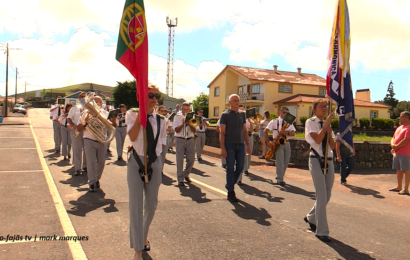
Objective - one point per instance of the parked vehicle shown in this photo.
(19, 109)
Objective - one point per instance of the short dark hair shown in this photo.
(185, 104)
(284, 108)
(406, 114)
(121, 106)
(199, 109)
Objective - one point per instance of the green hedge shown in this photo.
(364, 123)
(382, 123)
(273, 116)
(303, 120)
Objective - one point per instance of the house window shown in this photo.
(216, 111)
(216, 93)
(285, 88)
(256, 89)
(240, 90)
(373, 114)
(322, 92)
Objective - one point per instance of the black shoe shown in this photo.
(181, 184)
(282, 183)
(97, 184)
(147, 247)
(188, 179)
(325, 239)
(120, 159)
(224, 166)
(312, 226)
(58, 151)
(77, 173)
(239, 183)
(69, 156)
(246, 173)
(199, 159)
(91, 188)
(85, 169)
(232, 197)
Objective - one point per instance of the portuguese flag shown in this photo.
(132, 50)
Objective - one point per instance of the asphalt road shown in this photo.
(197, 222)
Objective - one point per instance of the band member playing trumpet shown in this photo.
(317, 131)
(65, 132)
(94, 151)
(77, 139)
(143, 196)
(283, 151)
(200, 140)
(162, 110)
(184, 144)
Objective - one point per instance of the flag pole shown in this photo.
(145, 155)
(327, 139)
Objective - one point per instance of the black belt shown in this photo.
(184, 138)
(329, 158)
(201, 132)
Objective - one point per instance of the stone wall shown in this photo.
(368, 154)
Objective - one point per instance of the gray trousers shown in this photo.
(143, 200)
(96, 153)
(247, 158)
(109, 143)
(57, 135)
(282, 156)
(323, 186)
(199, 144)
(65, 141)
(78, 152)
(120, 134)
(186, 147)
(170, 140)
(163, 155)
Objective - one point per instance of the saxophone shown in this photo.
(280, 140)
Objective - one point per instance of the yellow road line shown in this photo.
(21, 171)
(75, 247)
(14, 137)
(18, 148)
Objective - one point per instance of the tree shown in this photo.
(401, 106)
(201, 101)
(390, 100)
(125, 93)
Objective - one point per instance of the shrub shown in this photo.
(397, 122)
(335, 123)
(364, 123)
(273, 116)
(213, 121)
(382, 123)
(303, 119)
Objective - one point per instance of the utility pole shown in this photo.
(172, 23)
(7, 83)
(15, 94)
(25, 91)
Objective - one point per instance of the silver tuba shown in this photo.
(97, 125)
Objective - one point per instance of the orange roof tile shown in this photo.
(280, 76)
(312, 98)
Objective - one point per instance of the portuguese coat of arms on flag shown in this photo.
(132, 50)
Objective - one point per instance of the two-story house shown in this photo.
(272, 89)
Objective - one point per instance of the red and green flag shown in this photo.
(132, 50)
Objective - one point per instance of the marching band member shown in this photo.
(316, 134)
(233, 138)
(200, 140)
(120, 130)
(65, 132)
(55, 112)
(94, 151)
(142, 211)
(184, 144)
(77, 139)
(283, 152)
(108, 108)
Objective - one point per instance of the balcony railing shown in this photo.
(247, 97)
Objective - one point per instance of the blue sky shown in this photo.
(62, 46)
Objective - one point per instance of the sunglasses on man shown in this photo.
(152, 95)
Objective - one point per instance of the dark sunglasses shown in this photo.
(152, 95)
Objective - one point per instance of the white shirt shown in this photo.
(75, 114)
(121, 116)
(87, 134)
(313, 126)
(62, 120)
(264, 124)
(273, 126)
(203, 128)
(177, 122)
(54, 114)
(110, 107)
(138, 144)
